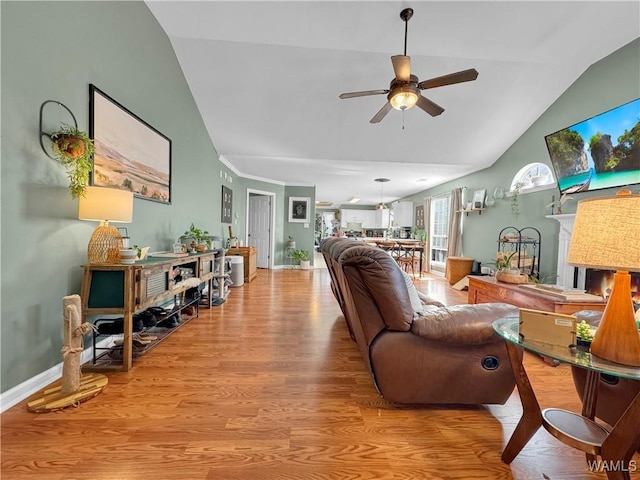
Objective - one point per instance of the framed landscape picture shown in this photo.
(130, 154)
(299, 209)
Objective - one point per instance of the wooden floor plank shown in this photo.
(269, 386)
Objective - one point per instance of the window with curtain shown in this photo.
(439, 230)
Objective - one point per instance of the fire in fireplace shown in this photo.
(600, 282)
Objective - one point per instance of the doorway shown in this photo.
(261, 225)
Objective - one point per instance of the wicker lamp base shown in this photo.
(104, 245)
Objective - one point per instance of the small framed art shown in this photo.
(299, 209)
(478, 198)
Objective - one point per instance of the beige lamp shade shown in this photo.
(606, 235)
(105, 205)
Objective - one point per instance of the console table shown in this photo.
(616, 447)
(486, 289)
(119, 289)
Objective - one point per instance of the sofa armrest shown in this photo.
(463, 324)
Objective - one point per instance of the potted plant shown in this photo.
(201, 238)
(303, 257)
(74, 149)
(503, 263)
(583, 336)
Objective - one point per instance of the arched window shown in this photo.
(533, 177)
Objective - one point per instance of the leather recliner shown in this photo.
(442, 355)
(614, 393)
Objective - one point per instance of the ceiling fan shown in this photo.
(404, 90)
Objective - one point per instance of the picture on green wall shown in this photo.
(129, 153)
(227, 204)
(299, 209)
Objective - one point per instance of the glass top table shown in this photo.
(507, 328)
(615, 446)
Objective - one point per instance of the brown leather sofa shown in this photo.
(442, 355)
(614, 393)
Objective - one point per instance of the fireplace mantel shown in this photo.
(565, 271)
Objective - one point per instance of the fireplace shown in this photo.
(600, 282)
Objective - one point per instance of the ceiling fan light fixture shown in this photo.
(381, 206)
(403, 98)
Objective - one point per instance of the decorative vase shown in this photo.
(128, 256)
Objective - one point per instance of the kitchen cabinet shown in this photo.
(403, 214)
(381, 218)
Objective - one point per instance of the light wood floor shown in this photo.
(270, 386)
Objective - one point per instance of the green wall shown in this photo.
(608, 83)
(54, 50)
(304, 237)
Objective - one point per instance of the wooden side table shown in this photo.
(250, 255)
(616, 447)
(486, 289)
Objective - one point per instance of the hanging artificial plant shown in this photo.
(515, 193)
(74, 149)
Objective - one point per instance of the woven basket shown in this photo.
(458, 268)
(511, 278)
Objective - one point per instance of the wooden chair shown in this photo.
(408, 258)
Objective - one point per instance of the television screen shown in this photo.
(601, 152)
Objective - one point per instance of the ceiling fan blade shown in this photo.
(363, 93)
(428, 106)
(402, 67)
(381, 113)
(458, 77)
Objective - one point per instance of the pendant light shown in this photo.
(382, 181)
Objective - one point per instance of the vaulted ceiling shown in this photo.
(266, 78)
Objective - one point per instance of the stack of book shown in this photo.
(568, 294)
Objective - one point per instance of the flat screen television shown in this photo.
(601, 152)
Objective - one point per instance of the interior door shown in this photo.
(259, 231)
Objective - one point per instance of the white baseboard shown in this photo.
(24, 390)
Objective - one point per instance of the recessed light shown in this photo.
(354, 200)
(320, 203)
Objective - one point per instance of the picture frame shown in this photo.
(299, 209)
(478, 198)
(129, 153)
(227, 205)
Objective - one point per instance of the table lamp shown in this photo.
(105, 205)
(606, 235)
